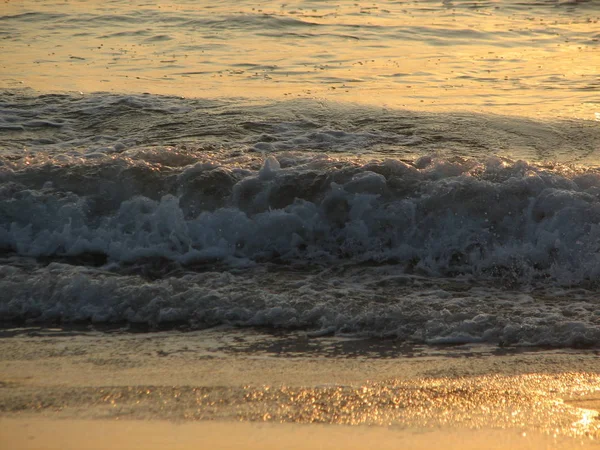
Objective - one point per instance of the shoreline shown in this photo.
(124, 354)
(249, 389)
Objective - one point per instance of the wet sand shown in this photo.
(150, 435)
(225, 388)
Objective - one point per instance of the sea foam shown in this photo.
(495, 218)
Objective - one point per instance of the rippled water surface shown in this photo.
(537, 58)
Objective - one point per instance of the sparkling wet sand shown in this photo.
(244, 389)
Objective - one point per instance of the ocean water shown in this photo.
(419, 170)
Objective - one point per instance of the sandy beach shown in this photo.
(228, 388)
(151, 435)
(300, 225)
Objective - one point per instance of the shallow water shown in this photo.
(420, 199)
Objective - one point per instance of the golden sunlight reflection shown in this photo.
(523, 403)
(499, 57)
(480, 403)
(588, 419)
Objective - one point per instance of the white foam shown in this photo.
(351, 302)
(391, 237)
(518, 222)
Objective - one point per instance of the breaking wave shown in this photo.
(437, 217)
(336, 219)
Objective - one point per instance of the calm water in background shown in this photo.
(420, 170)
(524, 58)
